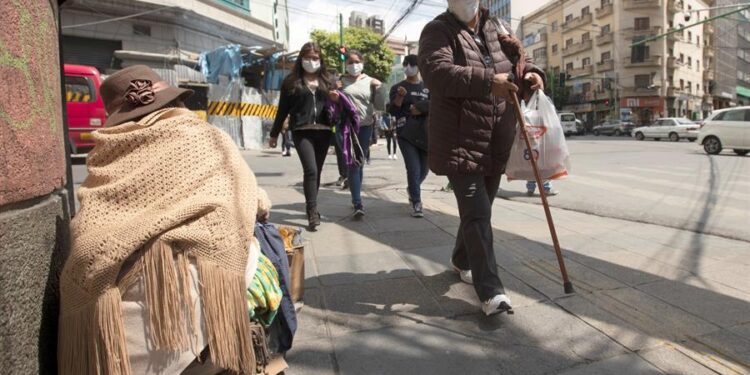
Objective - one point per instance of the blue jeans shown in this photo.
(356, 173)
(415, 160)
(531, 185)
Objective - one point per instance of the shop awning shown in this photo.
(744, 91)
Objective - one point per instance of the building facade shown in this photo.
(364, 20)
(606, 75)
(92, 33)
(499, 8)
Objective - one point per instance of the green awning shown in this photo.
(744, 91)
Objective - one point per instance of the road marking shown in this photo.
(723, 186)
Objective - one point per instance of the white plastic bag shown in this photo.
(547, 143)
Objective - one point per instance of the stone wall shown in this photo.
(33, 206)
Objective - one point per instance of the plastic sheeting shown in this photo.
(223, 61)
(232, 125)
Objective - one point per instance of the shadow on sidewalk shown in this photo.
(403, 310)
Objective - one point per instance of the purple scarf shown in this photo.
(346, 117)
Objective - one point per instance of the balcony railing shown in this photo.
(604, 66)
(708, 52)
(576, 48)
(583, 71)
(605, 38)
(605, 11)
(639, 91)
(675, 91)
(676, 37)
(708, 75)
(648, 62)
(577, 22)
(637, 4)
(633, 32)
(674, 63)
(528, 42)
(708, 29)
(541, 61)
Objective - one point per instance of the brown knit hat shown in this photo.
(136, 91)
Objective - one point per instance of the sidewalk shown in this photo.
(381, 298)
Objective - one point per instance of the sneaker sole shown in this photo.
(417, 215)
(503, 308)
(359, 214)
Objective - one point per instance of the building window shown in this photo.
(606, 56)
(586, 62)
(698, 40)
(569, 42)
(642, 81)
(554, 49)
(641, 23)
(604, 3)
(690, 62)
(682, 84)
(639, 53)
(698, 87)
(141, 30)
(585, 11)
(237, 4)
(568, 18)
(554, 26)
(682, 58)
(698, 65)
(586, 37)
(690, 87)
(586, 87)
(569, 66)
(690, 37)
(540, 53)
(606, 29)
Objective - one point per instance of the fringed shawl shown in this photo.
(161, 191)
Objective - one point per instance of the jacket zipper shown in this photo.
(315, 108)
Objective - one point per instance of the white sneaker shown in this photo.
(395, 157)
(464, 275)
(496, 305)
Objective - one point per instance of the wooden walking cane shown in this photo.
(567, 285)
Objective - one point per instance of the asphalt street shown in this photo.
(664, 183)
(672, 184)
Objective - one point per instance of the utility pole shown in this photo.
(341, 37)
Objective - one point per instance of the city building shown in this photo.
(361, 19)
(591, 42)
(498, 8)
(93, 30)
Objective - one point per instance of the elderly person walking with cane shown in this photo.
(467, 61)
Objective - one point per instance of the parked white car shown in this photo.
(726, 128)
(568, 122)
(672, 128)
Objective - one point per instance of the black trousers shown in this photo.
(474, 247)
(312, 148)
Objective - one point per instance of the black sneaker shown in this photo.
(417, 209)
(359, 211)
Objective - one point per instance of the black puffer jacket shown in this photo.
(302, 107)
(470, 131)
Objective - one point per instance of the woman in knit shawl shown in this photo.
(157, 269)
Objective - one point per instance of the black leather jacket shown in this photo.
(302, 107)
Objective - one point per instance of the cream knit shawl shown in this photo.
(168, 188)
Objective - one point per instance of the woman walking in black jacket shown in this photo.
(303, 96)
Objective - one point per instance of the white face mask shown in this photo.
(310, 65)
(464, 10)
(411, 71)
(355, 69)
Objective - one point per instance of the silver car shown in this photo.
(672, 128)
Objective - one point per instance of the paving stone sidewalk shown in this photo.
(380, 297)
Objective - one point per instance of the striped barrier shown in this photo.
(241, 109)
(77, 97)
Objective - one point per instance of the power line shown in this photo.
(118, 18)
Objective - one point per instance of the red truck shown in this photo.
(85, 107)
